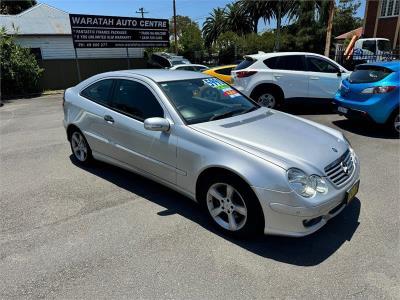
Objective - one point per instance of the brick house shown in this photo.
(382, 20)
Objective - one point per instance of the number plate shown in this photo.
(342, 109)
(352, 191)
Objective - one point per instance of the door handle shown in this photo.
(314, 78)
(109, 119)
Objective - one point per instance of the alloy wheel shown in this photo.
(396, 123)
(267, 100)
(226, 206)
(79, 146)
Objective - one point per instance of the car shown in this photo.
(190, 67)
(222, 72)
(274, 78)
(372, 91)
(163, 60)
(289, 178)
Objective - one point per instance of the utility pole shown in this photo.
(329, 28)
(142, 11)
(175, 34)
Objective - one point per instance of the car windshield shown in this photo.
(384, 45)
(206, 99)
(367, 74)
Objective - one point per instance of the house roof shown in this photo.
(41, 19)
(350, 34)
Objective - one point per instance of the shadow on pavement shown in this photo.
(307, 251)
(366, 128)
(308, 107)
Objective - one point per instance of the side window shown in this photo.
(164, 62)
(290, 62)
(271, 62)
(136, 100)
(99, 92)
(316, 64)
(369, 46)
(224, 71)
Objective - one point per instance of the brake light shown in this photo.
(378, 89)
(242, 74)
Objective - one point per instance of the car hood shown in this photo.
(279, 138)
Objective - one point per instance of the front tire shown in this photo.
(232, 206)
(80, 148)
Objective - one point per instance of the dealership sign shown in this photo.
(90, 31)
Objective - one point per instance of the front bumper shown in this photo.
(284, 218)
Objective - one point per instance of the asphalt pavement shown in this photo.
(102, 232)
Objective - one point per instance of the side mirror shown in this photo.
(157, 124)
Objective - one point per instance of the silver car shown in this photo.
(252, 168)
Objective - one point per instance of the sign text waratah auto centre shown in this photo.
(118, 32)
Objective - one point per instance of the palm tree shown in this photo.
(213, 26)
(236, 20)
(256, 10)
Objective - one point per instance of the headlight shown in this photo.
(306, 186)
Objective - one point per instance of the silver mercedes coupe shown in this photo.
(251, 168)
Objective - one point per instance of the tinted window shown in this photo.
(178, 62)
(384, 45)
(134, 99)
(161, 61)
(365, 74)
(316, 64)
(186, 68)
(99, 91)
(245, 63)
(287, 62)
(369, 45)
(224, 71)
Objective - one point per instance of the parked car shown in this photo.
(372, 91)
(222, 72)
(289, 178)
(372, 49)
(190, 67)
(272, 78)
(163, 60)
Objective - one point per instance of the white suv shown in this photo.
(271, 78)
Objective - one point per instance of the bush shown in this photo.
(20, 72)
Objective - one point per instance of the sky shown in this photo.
(197, 10)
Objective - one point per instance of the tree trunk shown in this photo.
(278, 27)
(329, 28)
(255, 26)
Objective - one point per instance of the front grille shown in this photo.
(341, 170)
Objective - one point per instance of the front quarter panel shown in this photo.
(198, 152)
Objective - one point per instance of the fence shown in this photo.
(350, 61)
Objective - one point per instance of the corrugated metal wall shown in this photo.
(61, 47)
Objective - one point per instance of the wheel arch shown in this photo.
(267, 85)
(70, 129)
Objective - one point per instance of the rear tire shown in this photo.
(268, 97)
(80, 147)
(393, 122)
(232, 206)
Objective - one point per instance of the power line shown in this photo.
(142, 11)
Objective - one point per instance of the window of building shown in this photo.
(390, 8)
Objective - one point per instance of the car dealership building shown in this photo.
(47, 32)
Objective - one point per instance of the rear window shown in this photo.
(245, 63)
(366, 74)
(224, 71)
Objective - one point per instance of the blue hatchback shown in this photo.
(372, 91)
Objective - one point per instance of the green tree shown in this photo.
(20, 72)
(13, 7)
(256, 10)
(213, 26)
(236, 20)
(345, 17)
(191, 42)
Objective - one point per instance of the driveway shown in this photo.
(102, 232)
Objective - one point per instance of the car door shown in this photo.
(324, 77)
(96, 97)
(151, 151)
(289, 72)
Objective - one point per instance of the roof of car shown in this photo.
(392, 65)
(159, 75)
(261, 54)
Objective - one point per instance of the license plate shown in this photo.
(342, 109)
(352, 191)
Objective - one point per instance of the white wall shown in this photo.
(61, 47)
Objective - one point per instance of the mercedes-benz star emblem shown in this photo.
(345, 168)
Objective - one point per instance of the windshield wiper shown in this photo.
(225, 114)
